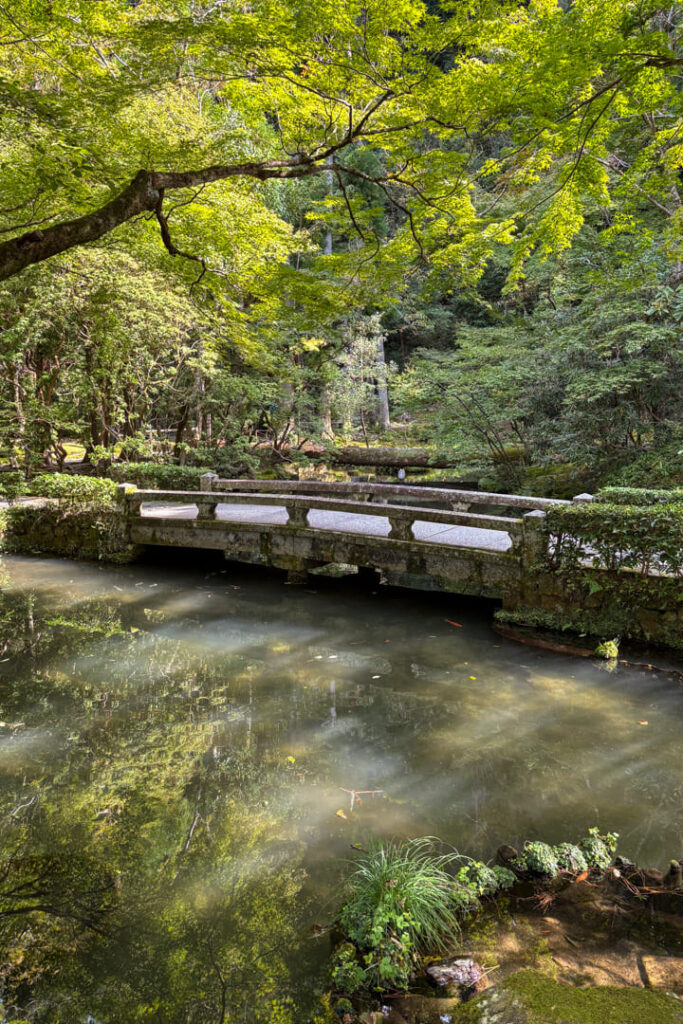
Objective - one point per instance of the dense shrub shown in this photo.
(12, 485)
(638, 496)
(85, 530)
(641, 537)
(660, 467)
(79, 490)
(159, 476)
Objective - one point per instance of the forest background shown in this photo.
(233, 234)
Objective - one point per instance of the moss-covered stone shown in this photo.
(531, 997)
(53, 527)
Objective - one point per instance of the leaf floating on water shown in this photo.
(451, 623)
(473, 678)
(643, 723)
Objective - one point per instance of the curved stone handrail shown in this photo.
(401, 517)
(368, 491)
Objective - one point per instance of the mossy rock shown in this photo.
(530, 997)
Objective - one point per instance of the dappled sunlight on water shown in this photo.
(202, 736)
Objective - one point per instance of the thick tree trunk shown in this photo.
(384, 421)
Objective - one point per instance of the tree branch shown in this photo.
(144, 191)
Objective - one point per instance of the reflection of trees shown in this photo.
(144, 871)
(150, 865)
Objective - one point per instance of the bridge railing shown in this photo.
(523, 531)
(454, 499)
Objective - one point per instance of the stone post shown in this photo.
(401, 529)
(534, 540)
(121, 497)
(206, 509)
(296, 515)
(122, 492)
(582, 499)
(207, 480)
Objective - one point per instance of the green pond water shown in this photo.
(179, 747)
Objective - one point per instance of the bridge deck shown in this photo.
(340, 522)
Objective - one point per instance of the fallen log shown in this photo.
(391, 458)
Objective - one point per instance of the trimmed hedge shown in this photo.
(646, 539)
(162, 476)
(12, 485)
(638, 496)
(79, 490)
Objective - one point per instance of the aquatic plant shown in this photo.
(403, 900)
(539, 858)
(505, 878)
(570, 858)
(398, 904)
(479, 878)
(599, 849)
(347, 973)
(608, 649)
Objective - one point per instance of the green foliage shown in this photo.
(641, 538)
(482, 879)
(638, 496)
(12, 485)
(159, 476)
(570, 858)
(539, 858)
(398, 905)
(608, 649)
(595, 851)
(347, 974)
(78, 490)
(599, 849)
(658, 466)
(505, 878)
(476, 880)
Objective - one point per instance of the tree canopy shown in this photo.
(183, 111)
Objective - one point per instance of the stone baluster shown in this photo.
(534, 539)
(207, 481)
(401, 528)
(296, 515)
(206, 508)
(123, 491)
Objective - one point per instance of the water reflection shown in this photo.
(176, 745)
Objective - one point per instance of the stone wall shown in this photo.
(646, 609)
(53, 527)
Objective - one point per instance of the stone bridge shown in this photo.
(428, 538)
